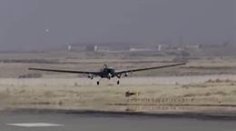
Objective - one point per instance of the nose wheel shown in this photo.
(98, 82)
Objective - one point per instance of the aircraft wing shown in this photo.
(65, 71)
(149, 68)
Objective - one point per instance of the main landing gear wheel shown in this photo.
(118, 82)
(98, 82)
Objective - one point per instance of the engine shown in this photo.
(90, 76)
(126, 74)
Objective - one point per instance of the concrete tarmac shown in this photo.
(58, 121)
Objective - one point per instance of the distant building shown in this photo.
(204, 46)
(159, 47)
(69, 47)
(91, 48)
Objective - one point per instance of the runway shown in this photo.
(48, 121)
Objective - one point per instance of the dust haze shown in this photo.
(36, 24)
(83, 35)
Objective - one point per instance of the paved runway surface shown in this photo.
(23, 121)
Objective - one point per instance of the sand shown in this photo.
(151, 94)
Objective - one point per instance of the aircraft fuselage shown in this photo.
(107, 73)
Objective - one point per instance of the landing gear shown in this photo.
(98, 82)
(118, 82)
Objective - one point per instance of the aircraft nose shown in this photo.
(109, 74)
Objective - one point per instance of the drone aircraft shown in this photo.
(107, 72)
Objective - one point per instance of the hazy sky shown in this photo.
(27, 24)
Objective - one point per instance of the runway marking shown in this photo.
(35, 124)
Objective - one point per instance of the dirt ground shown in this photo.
(150, 94)
(207, 84)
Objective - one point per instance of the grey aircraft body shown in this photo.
(108, 72)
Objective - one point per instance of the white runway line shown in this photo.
(35, 124)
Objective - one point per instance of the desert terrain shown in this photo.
(202, 85)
